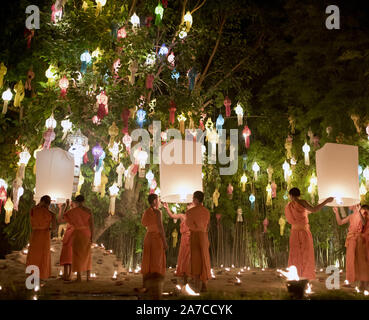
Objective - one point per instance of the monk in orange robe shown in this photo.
(197, 220)
(81, 220)
(301, 253)
(155, 244)
(39, 245)
(184, 254)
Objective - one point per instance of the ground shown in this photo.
(255, 283)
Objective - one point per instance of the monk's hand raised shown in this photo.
(330, 199)
(335, 209)
(165, 205)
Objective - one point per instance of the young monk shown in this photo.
(39, 245)
(81, 220)
(357, 267)
(301, 241)
(66, 254)
(155, 243)
(197, 220)
(183, 261)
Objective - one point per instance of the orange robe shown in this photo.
(197, 219)
(184, 254)
(66, 255)
(357, 266)
(153, 257)
(301, 253)
(39, 245)
(79, 218)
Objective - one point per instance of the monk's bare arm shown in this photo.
(340, 221)
(311, 208)
(171, 214)
(161, 228)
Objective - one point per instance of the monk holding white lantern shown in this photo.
(54, 175)
(180, 171)
(336, 167)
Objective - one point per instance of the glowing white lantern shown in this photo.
(239, 112)
(336, 168)
(66, 125)
(180, 170)
(149, 177)
(50, 123)
(150, 59)
(3, 184)
(24, 157)
(306, 150)
(120, 170)
(6, 96)
(113, 190)
(286, 169)
(256, 169)
(50, 74)
(135, 20)
(187, 19)
(243, 182)
(54, 175)
(141, 157)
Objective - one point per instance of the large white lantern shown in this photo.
(337, 174)
(54, 175)
(180, 170)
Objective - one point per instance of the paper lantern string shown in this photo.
(227, 104)
(3, 71)
(19, 96)
(97, 152)
(29, 34)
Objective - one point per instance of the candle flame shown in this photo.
(60, 273)
(130, 270)
(248, 268)
(291, 275)
(232, 265)
(238, 273)
(189, 291)
(212, 273)
(37, 288)
(309, 289)
(346, 282)
(262, 269)
(178, 287)
(25, 251)
(221, 266)
(227, 269)
(357, 289)
(238, 280)
(34, 298)
(115, 274)
(366, 293)
(1, 288)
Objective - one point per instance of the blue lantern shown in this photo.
(252, 201)
(163, 50)
(86, 59)
(219, 124)
(141, 114)
(175, 75)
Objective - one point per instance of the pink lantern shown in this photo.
(172, 111)
(102, 100)
(56, 13)
(63, 84)
(127, 140)
(3, 196)
(122, 33)
(227, 104)
(230, 191)
(246, 134)
(274, 189)
(153, 186)
(367, 130)
(265, 224)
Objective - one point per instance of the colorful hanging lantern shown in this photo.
(270, 173)
(127, 140)
(288, 146)
(102, 102)
(216, 196)
(181, 119)
(227, 104)
(24, 157)
(63, 85)
(219, 124)
(150, 59)
(113, 133)
(114, 150)
(187, 19)
(3, 196)
(153, 186)
(135, 20)
(243, 182)
(8, 210)
(286, 169)
(172, 111)
(97, 152)
(239, 112)
(256, 169)
(141, 114)
(122, 33)
(86, 60)
(3, 71)
(171, 59)
(252, 201)
(306, 150)
(175, 75)
(17, 192)
(120, 171)
(182, 34)
(213, 138)
(97, 179)
(265, 224)
(56, 12)
(149, 177)
(282, 223)
(246, 134)
(67, 126)
(133, 68)
(51, 74)
(19, 93)
(159, 11)
(269, 195)
(6, 96)
(113, 191)
(81, 181)
(84, 6)
(239, 215)
(100, 4)
(274, 190)
(141, 158)
(49, 134)
(230, 191)
(163, 51)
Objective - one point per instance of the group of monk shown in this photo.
(76, 251)
(193, 258)
(301, 253)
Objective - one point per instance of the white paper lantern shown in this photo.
(180, 171)
(337, 174)
(54, 175)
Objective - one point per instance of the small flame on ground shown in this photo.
(221, 266)
(115, 274)
(178, 287)
(242, 270)
(93, 275)
(170, 267)
(346, 282)
(111, 251)
(189, 291)
(321, 270)
(25, 251)
(34, 298)
(262, 269)
(232, 265)
(102, 246)
(60, 273)
(238, 280)
(366, 293)
(37, 288)
(130, 270)
(165, 293)
(291, 275)
(309, 289)
(239, 273)
(357, 289)
(341, 271)
(227, 269)
(248, 268)
(212, 273)
(75, 273)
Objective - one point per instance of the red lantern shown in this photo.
(122, 33)
(172, 111)
(246, 134)
(63, 84)
(3, 196)
(227, 104)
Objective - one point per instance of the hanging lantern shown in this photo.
(141, 157)
(246, 134)
(24, 157)
(172, 111)
(175, 75)
(63, 85)
(153, 186)
(102, 102)
(219, 124)
(113, 133)
(213, 138)
(19, 93)
(3, 71)
(66, 125)
(366, 176)
(286, 169)
(97, 152)
(3, 196)
(135, 20)
(181, 119)
(163, 51)
(8, 210)
(141, 114)
(116, 67)
(54, 175)
(78, 147)
(127, 140)
(337, 174)
(187, 19)
(182, 34)
(288, 146)
(50, 74)
(355, 118)
(49, 134)
(252, 201)
(265, 224)
(171, 59)
(100, 4)
(86, 60)
(227, 104)
(306, 150)
(84, 6)
(274, 190)
(216, 196)
(243, 182)
(328, 130)
(104, 181)
(6, 96)
(230, 191)
(81, 181)
(113, 190)
(270, 173)
(120, 170)
(133, 68)
(17, 193)
(239, 112)
(114, 150)
(269, 195)
(122, 33)
(256, 169)
(150, 59)
(159, 11)
(56, 12)
(180, 177)
(282, 223)
(97, 178)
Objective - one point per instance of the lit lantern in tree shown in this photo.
(8, 210)
(50, 74)
(230, 191)
(114, 150)
(122, 33)
(265, 224)
(306, 150)
(113, 190)
(337, 174)
(182, 34)
(133, 68)
(78, 143)
(127, 140)
(252, 201)
(3, 71)
(49, 134)
(113, 133)
(97, 179)
(270, 173)
(141, 157)
(120, 170)
(81, 181)
(256, 169)
(100, 4)
(56, 12)
(243, 182)
(227, 104)
(84, 6)
(328, 130)
(66, 125)
(313, 185)
(175, 75)
(6, 96)
(172, 111)
(239, 215)
(355, 118)
(159, 10)
(187, 19)
(135, 20)
(269, 195)
(104, 181)
(181, 119)
(282, 223)
(216, 196)
(213, 138)
(141, 114)
(97, 152)
(163, 51)
(366, 176)
(63, 85)
(288, 146)
(3, 195)
(116, 67)
(171, 59)
(181, 175)
(19, 93)
(246, 134)
(274, 190)
(102, 102)
(150, 59)
(239, 112)
(153, 186)
(17, 192)
(86, 60)
(219, 124)
(286, 169)
(149, 177)
(54, 175)
(24, 157)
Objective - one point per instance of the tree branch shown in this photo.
(198, 7)
(132, 8)
(212, 54)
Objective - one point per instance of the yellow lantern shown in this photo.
(243, 182)
(269, 195)
(8, 210)
(104, 181)
(3, 71)
(216, 196)
(113, 133)
(81, 180)
(19, 93)
(100, 4)
(50, 74)
(181, 119)
(282, 223)
(113, 190)
(187, 19)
